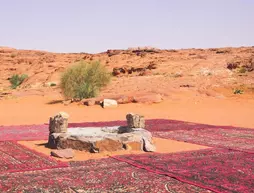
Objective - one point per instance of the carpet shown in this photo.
(40, 132)
(215, 136)
(230, 138)
(17, 158)
(104, 175)
(24, 132)
(219, 170)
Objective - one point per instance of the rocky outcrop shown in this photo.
(141, 71)
(244, 63)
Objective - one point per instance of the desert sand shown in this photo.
(36, 110)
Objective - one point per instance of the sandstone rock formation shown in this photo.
(141, 71)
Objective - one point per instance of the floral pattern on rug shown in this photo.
(17, 158)
(219, 170)
(104, 175)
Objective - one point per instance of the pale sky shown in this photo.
(97, 25)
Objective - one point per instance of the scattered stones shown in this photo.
(109, 103)
(130, 69)
(122, 99)
(135, 121)
(113, 52)
(246, 63)
(63, 153)
(186, 85)
(232, 65)
(58, 123)
(89, 101)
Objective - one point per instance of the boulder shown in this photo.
(135, 121)
(58, 123)
(109, 103)
(63, 153)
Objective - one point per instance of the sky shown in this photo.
(98, 25)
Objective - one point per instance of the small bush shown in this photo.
(13, 55)
(17, 80)
(238, 91)
(242, 69)
(52, 84)
(84, 80)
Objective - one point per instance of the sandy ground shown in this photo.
(162, 146)
(210, 110)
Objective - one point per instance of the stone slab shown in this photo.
(99, 139)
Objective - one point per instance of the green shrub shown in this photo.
(238, 91)
(242, 69)
(13, 55)
(17, 80)
(52, 84)
(84, 80)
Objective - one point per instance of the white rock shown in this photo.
(108, 103)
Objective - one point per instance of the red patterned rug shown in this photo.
(219, 170)
(214, 136)
(17, 158)
(105, 175)
(230, 138)
(24, 132)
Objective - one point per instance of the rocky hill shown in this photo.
(211, 72)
